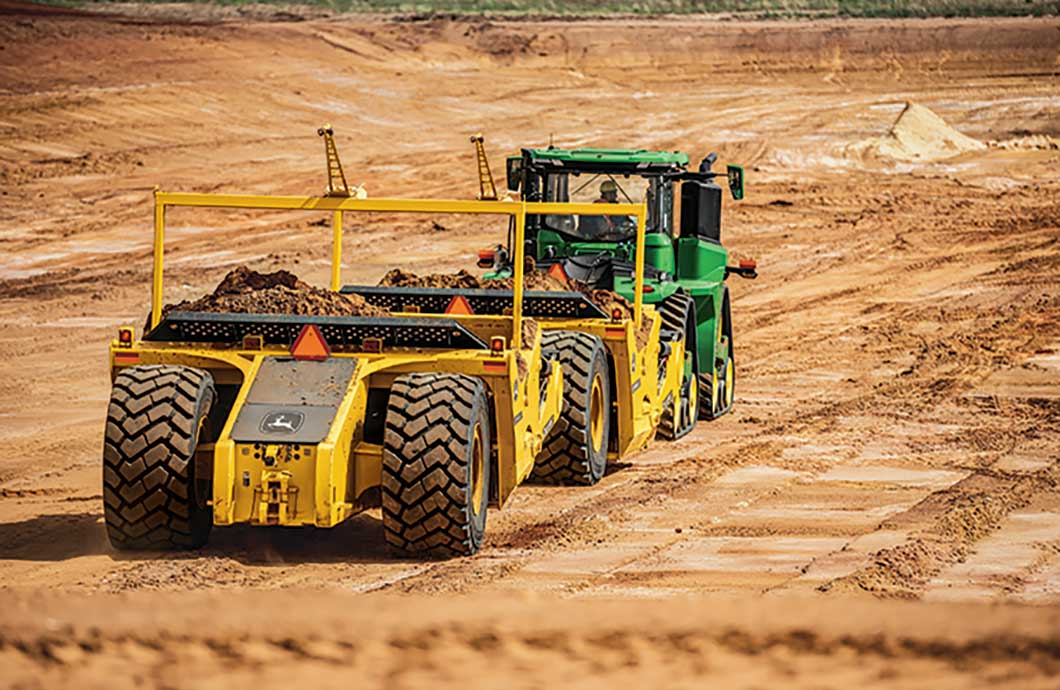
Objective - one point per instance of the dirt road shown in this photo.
(898, 418)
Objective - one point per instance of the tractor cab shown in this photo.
(685, 265)
(599, 250)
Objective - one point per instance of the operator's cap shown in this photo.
(608, 186)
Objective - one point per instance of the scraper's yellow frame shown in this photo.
(338, 205)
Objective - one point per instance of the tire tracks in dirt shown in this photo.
(944, 528)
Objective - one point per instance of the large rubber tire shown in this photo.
(679, 314)
(152, 498)
(575, 451)
(715, 403)
(436, 465)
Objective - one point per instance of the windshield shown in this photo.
(599, 189)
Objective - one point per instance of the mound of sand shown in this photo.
(245, 291)
(920, 135)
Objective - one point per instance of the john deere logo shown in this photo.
(282, 422)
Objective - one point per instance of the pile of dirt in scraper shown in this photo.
(534, 280)
(460, 280)
(245, 291)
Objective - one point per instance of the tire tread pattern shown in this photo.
(429, 426)
(706, 380)
(565, 457)
(675, 312)
(149, 499)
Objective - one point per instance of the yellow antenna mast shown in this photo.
(487, 190)
(337, 185)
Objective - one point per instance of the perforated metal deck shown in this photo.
(536, 304)
(282, 329)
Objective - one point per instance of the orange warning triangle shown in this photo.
(310, 345)
(557, 272)
(459, 305)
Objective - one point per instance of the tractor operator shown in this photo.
(608, 193)
(602, 226)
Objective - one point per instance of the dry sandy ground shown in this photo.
(261, 641)
(898, 418)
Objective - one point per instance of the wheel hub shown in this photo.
(596, 414)
(477, 472)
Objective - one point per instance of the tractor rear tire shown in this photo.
(679, 314)
(152, 498)
(575, 451)
(436, 465)
(717, 387)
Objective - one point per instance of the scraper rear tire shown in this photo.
(152, 498)
(575, 451)
(436, 464)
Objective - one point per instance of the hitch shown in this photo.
(276, 497)
(746, 269)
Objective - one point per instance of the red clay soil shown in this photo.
(535, 280)
(461, 279)
(245, 291)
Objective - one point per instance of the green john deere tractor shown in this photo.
(685, 263)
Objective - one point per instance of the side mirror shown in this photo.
(735, 174)
(515, 170)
